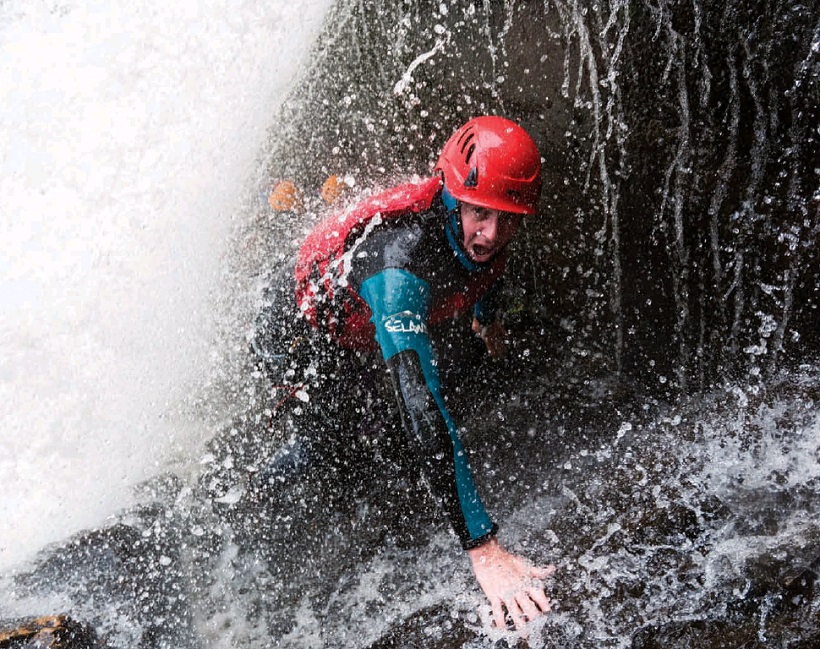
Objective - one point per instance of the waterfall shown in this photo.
(129, 137)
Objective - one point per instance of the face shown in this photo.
(486, 231)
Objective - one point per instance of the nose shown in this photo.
(489, 228)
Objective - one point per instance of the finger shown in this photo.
(538, 596)
(498, 614)
(516, 614)
(527, 606)
(542, 572)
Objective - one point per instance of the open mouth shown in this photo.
(481, 251)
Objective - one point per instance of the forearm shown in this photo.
(399, 302)
(441, 455)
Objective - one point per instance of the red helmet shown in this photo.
(494, 163)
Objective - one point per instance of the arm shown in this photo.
(487, 326)
(400, 302)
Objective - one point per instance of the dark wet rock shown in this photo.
(778, 583)
(433, 628)
(670, 524)
(699, 634)
(438, 627)
(746, 633)
(635, 538)
(136, 567)
(51, 632)
(799, 585)
(767, 615)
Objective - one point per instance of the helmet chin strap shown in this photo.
(450, 202)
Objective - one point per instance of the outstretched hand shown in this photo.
(510, 582)
(494, 336)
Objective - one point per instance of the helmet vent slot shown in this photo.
(465, 137)
(470, 152)
(467, 141)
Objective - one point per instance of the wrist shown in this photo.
(470, 544)
(481, 552)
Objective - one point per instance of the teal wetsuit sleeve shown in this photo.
(400, 302)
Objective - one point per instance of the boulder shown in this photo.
(50, 632)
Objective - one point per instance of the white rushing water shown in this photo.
(128, 135)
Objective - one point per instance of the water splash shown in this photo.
(128, 135)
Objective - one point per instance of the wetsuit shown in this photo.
(388, 271)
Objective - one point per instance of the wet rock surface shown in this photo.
(53, 632)
(432, 627)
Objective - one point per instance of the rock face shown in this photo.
(780, 601)
(699, 635)
(52, 632)
(678, 232)
(432, 628)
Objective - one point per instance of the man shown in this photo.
(379, 276)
